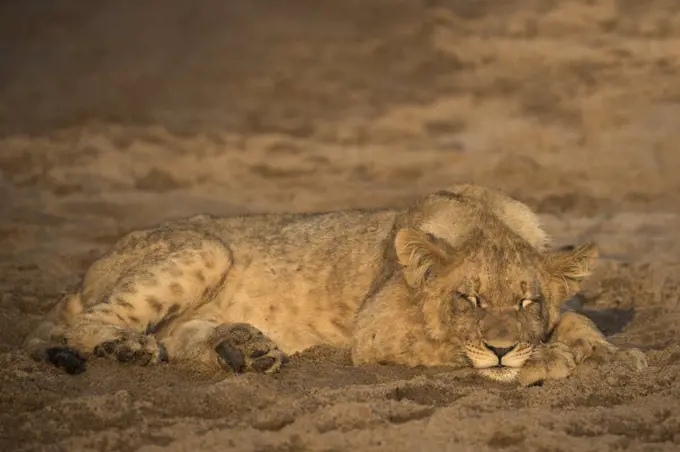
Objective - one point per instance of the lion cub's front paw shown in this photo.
(243, 348)
(548, 362)
(605, 352)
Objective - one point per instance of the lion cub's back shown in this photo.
(290, 233)
(300, 278)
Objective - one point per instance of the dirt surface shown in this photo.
(117, 115)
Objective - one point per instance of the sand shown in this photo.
(118, 115)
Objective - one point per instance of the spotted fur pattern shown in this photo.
(463, 277)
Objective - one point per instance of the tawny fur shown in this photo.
(459, 274)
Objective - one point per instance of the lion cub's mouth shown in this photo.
(500, 373)
(503, 369)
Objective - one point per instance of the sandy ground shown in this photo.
(116, 115)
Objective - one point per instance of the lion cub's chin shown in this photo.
(502, 374)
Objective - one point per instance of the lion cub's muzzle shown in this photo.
(498, 360)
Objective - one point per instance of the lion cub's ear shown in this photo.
(570, 265)
(420, 253)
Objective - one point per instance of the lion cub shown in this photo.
(463, 278)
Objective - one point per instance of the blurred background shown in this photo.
(319, 104)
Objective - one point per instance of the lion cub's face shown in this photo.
(497, 296)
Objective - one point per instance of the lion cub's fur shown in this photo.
(463, 277)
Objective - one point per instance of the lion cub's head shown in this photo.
(492, 292)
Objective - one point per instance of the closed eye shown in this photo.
(473, 299)
(526, 302)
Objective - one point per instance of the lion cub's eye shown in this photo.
(525, 302)
(473, 299)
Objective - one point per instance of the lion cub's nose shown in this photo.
(500, 351)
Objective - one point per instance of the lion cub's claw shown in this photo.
(243, 348)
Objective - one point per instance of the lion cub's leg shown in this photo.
(587, 343)
(45, 342)
(160, 287)
(575, 339)
(238, 347)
